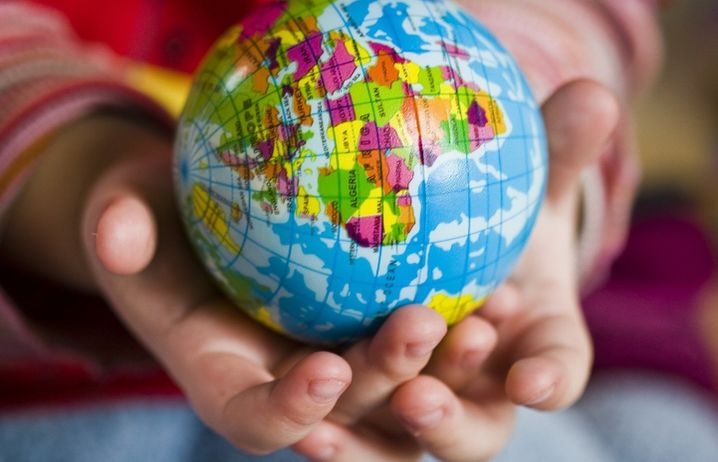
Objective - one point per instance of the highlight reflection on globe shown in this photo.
(337, 160)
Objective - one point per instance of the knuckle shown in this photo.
(252, 441)
(291, 417)
(398, 369)
(397, 375)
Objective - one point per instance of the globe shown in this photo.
(337, 160)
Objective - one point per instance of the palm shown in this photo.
(544, 343)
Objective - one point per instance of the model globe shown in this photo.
(337, 160)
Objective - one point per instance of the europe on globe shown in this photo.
(339, 159)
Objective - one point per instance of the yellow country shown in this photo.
(493, 112)
(453, 309)
(408, 72)
(307, 205)
(398, 123)
(211, 214)
(372, 205)
(346, 140)
(264, 316)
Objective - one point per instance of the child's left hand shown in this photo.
(543, 355)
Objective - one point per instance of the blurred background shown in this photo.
(659, 310)
(678, 120)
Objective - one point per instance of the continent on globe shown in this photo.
(338, 159)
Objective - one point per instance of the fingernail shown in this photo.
(417, 423)
(540, 398)
(326, 390)
(420, 349)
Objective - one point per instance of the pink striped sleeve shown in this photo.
(614, 42)
(610, 185)
(47, 79)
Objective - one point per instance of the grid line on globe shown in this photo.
(339, 159)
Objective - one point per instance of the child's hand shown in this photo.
(543, 339)
(461, 407)
(259, 390)
(613, 42)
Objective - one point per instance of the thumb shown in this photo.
(581, 117)
(126, 237)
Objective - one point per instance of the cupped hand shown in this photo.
(543, 339)
(528, 346)
(98, 214)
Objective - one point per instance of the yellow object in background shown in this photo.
(168, 88)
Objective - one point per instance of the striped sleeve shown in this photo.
(48, 78)
(610, 186)
(615, 42)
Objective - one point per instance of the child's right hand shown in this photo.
(527, 346)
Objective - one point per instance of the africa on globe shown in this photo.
(339, 159)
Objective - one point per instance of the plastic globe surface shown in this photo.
(337, 160)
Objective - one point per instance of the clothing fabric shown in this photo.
(650, 314)
(47, 79)
(623, 418)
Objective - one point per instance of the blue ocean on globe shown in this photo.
(337, 160)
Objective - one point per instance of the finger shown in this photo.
(336, 443)
(503, 304)
(621, 192)
(460, 355)
(219, 357)
(286, 410)
(173, 288)
(580, 119)
(210, 354)
(397, 353)
(450, 428)
(126, 236)
(553, 365)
